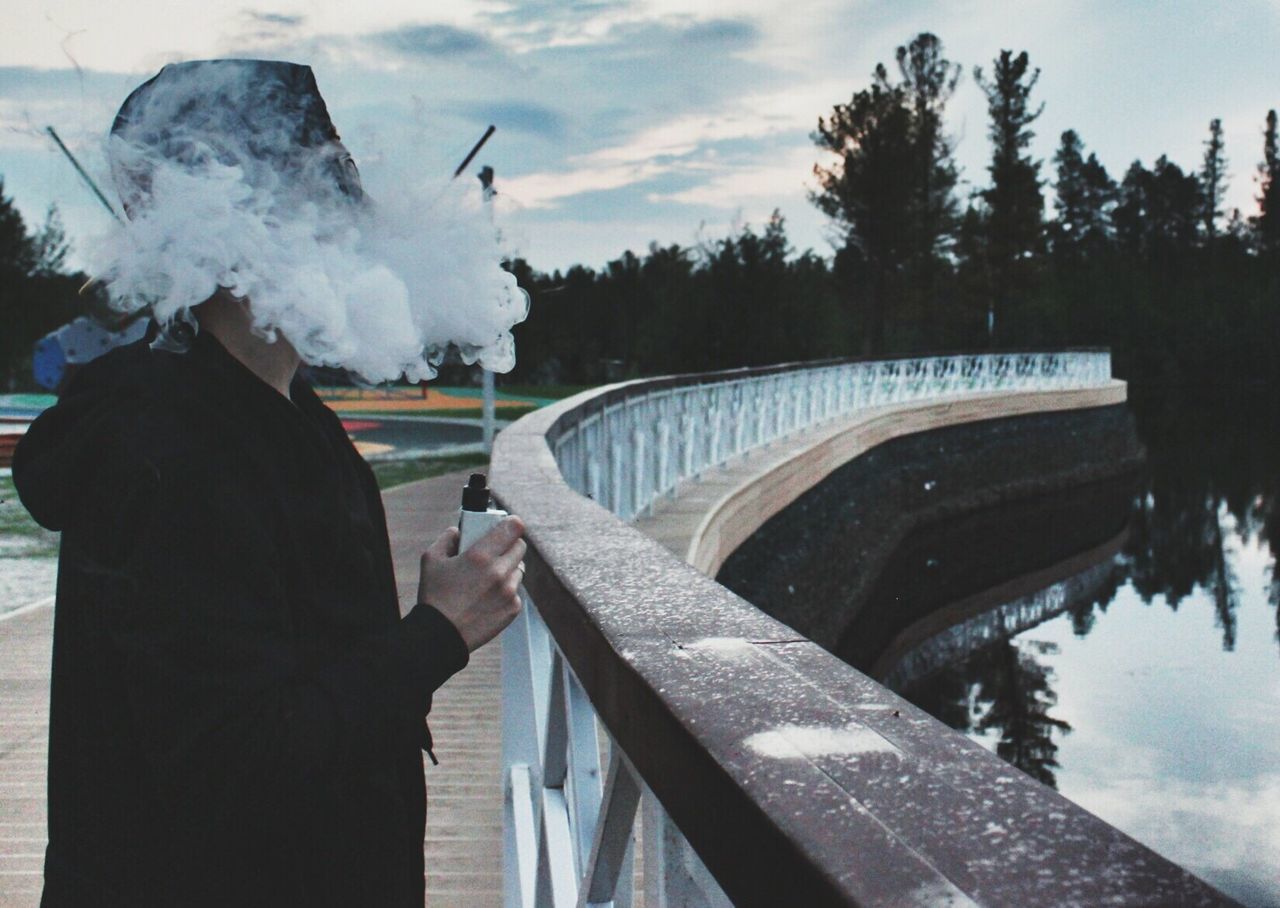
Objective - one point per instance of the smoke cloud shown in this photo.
(233, 177)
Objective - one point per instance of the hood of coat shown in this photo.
(72, 447)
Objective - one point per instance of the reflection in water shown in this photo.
(1014, 689)
(1001, 688)
(1177, 734)
(965, 660)
(1206, 462)
(976, 679)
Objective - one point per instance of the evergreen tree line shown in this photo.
(37, 295)
(1151, 264)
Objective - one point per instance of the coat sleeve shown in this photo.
(217, 687)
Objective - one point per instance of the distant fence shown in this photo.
(768, 771)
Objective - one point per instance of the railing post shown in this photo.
(665, 483)
(609, 865)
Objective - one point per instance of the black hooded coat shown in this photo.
(238, 707)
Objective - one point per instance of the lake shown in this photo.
(1153, 697)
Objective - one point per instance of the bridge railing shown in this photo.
(626, 449)
(768, 772)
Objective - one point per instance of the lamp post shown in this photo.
(486, 377)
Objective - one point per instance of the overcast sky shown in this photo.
(622, 123)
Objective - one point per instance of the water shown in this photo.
(1152, 696)
(28, 554)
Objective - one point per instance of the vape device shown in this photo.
(477, 516)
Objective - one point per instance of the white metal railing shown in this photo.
(568, 832)
(628, 453)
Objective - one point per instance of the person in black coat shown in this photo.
(238, 708)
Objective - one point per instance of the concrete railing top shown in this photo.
(795, 778)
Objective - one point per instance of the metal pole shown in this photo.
(474, 151)
(486, 380)
(84, 176)
(487, 386)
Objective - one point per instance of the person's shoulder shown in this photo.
(116, 420)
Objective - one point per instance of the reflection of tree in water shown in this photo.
(1000, 688)
(1210, 472)
(1275, 595)
(1016, 691)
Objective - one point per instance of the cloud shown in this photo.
(80, 104)
(277, 19)
(737, 32)
(731, 185)
(520, 116)
(593, 174)
(433, 41)
(754, 146)
(540, 24)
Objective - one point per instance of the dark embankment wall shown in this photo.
(815, 565)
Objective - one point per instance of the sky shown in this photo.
(626, 122)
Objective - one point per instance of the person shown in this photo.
(238, 707)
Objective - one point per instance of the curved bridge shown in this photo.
(769, 772)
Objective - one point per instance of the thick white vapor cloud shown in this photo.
(377, 284)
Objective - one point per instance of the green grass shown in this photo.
(508, 414)
(397, 472)
(20, 536)
(558, 392)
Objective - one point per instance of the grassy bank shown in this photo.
(20, 536)
(397, 472)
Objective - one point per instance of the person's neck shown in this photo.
(228, 320)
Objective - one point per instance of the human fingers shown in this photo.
(446, 545)
(500, 572)
(506, 564)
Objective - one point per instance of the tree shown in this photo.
(49, 245)
(748, 285)
(1266, 225)
(893, 189)
(928, 81)
(1160, 211)
(17, 255)
(1085, 195)
(35, 296)
(1213, 180)
(869, 192)
(1014, 203)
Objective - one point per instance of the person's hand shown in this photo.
(477, 589)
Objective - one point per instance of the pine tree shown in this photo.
(928, 81)
(1266, 225)
(870, 192)
(1014, 203)
(1160, 212)
(49, 245)
(1213, 180)
(35, 296)
(17, 254)
(1085, 194)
